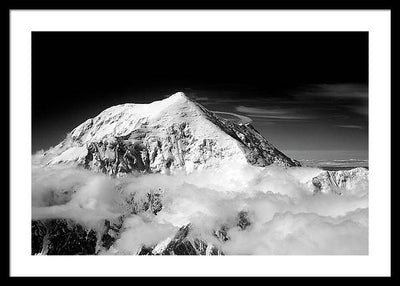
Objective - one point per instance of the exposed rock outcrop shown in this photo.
(340, 182)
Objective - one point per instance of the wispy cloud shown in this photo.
(285, 117)
(339, 91)
(202, 98)
(241, 118)
(346, 99)
(260, 111)
(350, 126)
(274, 114)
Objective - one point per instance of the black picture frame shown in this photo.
(119, 4)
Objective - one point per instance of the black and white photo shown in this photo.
(162, 143)
(200, 143)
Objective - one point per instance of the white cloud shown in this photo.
(286, 217)
(260, 111)
(301, 234)
(241, 118)
(279, 114)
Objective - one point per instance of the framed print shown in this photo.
(200, 142)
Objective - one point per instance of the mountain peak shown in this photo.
(178, 96)
(173, 133)
(180, 100)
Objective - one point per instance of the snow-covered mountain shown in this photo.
(343, 181)
(174, 133)
(77, 211)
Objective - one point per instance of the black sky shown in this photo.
(303, 91)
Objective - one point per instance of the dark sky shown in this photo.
(305, 92)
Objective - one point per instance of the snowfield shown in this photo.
(172, 178)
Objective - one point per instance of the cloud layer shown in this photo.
(286, 217)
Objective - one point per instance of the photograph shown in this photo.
(200, 143)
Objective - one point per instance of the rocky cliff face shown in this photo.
(183, 243)
(67, 237)
(167, 135)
